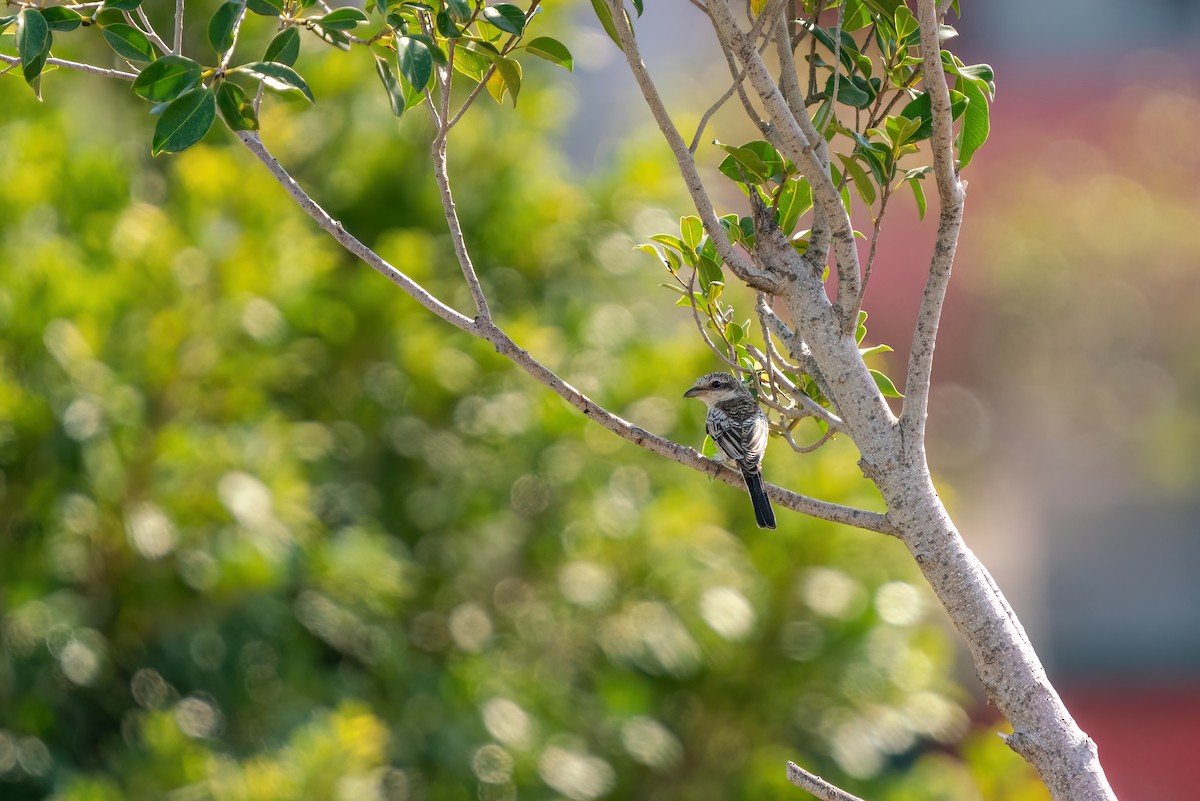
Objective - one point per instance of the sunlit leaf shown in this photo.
(691, 231)
(128, 42)
(276, 76)
(885, 385)
(167, 78)
(793, 200)
(506, 17)
(342, 19)
(551, 50)
(976, 122)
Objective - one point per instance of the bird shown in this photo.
(739, 428)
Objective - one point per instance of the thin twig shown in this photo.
(148, 30)
(177, 47)
(438, 151)
(815, 785)
(862, 290)
(75, 65)
(798, 448)
(691, 290)
(837, 71)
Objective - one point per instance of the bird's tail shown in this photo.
(764, 515)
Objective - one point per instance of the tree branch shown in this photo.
(817, 786)
(485, 329)
(951, 198)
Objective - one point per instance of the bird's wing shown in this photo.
(755, 432)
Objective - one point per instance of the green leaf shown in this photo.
(709, 273)
(671, 242)
(753, 163)
(865, 352)
(342, 19)
(237, 112)
(471, 62)
(860, 328)
(866, 190)
(510, 73)
(638, 6)
(709, 448)
(506, 17)
(276, 76)
(885, 385)
(921, 106)
(979, 74)
(128, 42)
(907, 31)
(266, 8)
(551, 50)
(691, 231)
(33, 39)
(919, 194)
(439, 56)
(848, 53)
(414, 60)
(460, 10)
(446, 26)
(167, 78)
(220, 27)
(60, 18)
(338, 39)
(395, 92)
(793, 200)
(857, 16)
(184, 122)
(852, 91)
(122, 5)
(606, 20)
(284, 48)
(976, 124)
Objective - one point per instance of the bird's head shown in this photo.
(715, 388)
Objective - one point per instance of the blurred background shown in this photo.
(268, 530)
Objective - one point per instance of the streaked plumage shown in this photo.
(739, 428)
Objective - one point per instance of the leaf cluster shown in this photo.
(410, 41)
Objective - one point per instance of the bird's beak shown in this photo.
(693, 392)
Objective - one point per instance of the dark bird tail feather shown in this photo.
(764, 515)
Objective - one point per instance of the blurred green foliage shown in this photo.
(268, 530)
